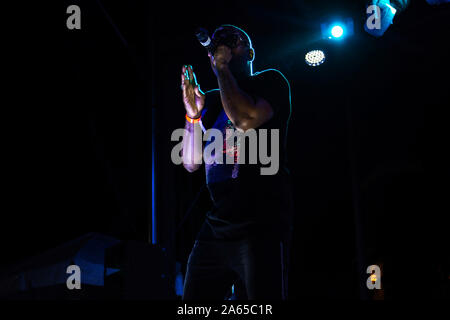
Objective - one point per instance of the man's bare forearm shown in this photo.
(192, 146)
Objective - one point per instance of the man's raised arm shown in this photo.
(194, 101)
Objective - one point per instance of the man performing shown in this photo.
(246, 235)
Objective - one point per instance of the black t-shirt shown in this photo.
(245, 202)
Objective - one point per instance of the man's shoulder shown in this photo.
(272, 85)
(271, 75)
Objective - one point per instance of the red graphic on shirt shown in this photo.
(233, 150)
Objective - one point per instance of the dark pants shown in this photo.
(257, 267)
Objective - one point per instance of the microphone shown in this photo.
(204, 39)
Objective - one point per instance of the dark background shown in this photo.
(367, 145)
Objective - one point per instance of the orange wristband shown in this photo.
(196, 120)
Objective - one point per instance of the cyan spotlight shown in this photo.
(314, 58)
(338, 29)
(380, 15)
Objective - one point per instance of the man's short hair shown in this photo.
(228, 28)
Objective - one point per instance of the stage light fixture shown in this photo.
(315, 57)
(337, 29)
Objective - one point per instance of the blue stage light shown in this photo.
(393, 10)
(437, 2)
(380, 15)
(337, 31)
(179, 281)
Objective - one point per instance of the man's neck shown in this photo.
(241, 76)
